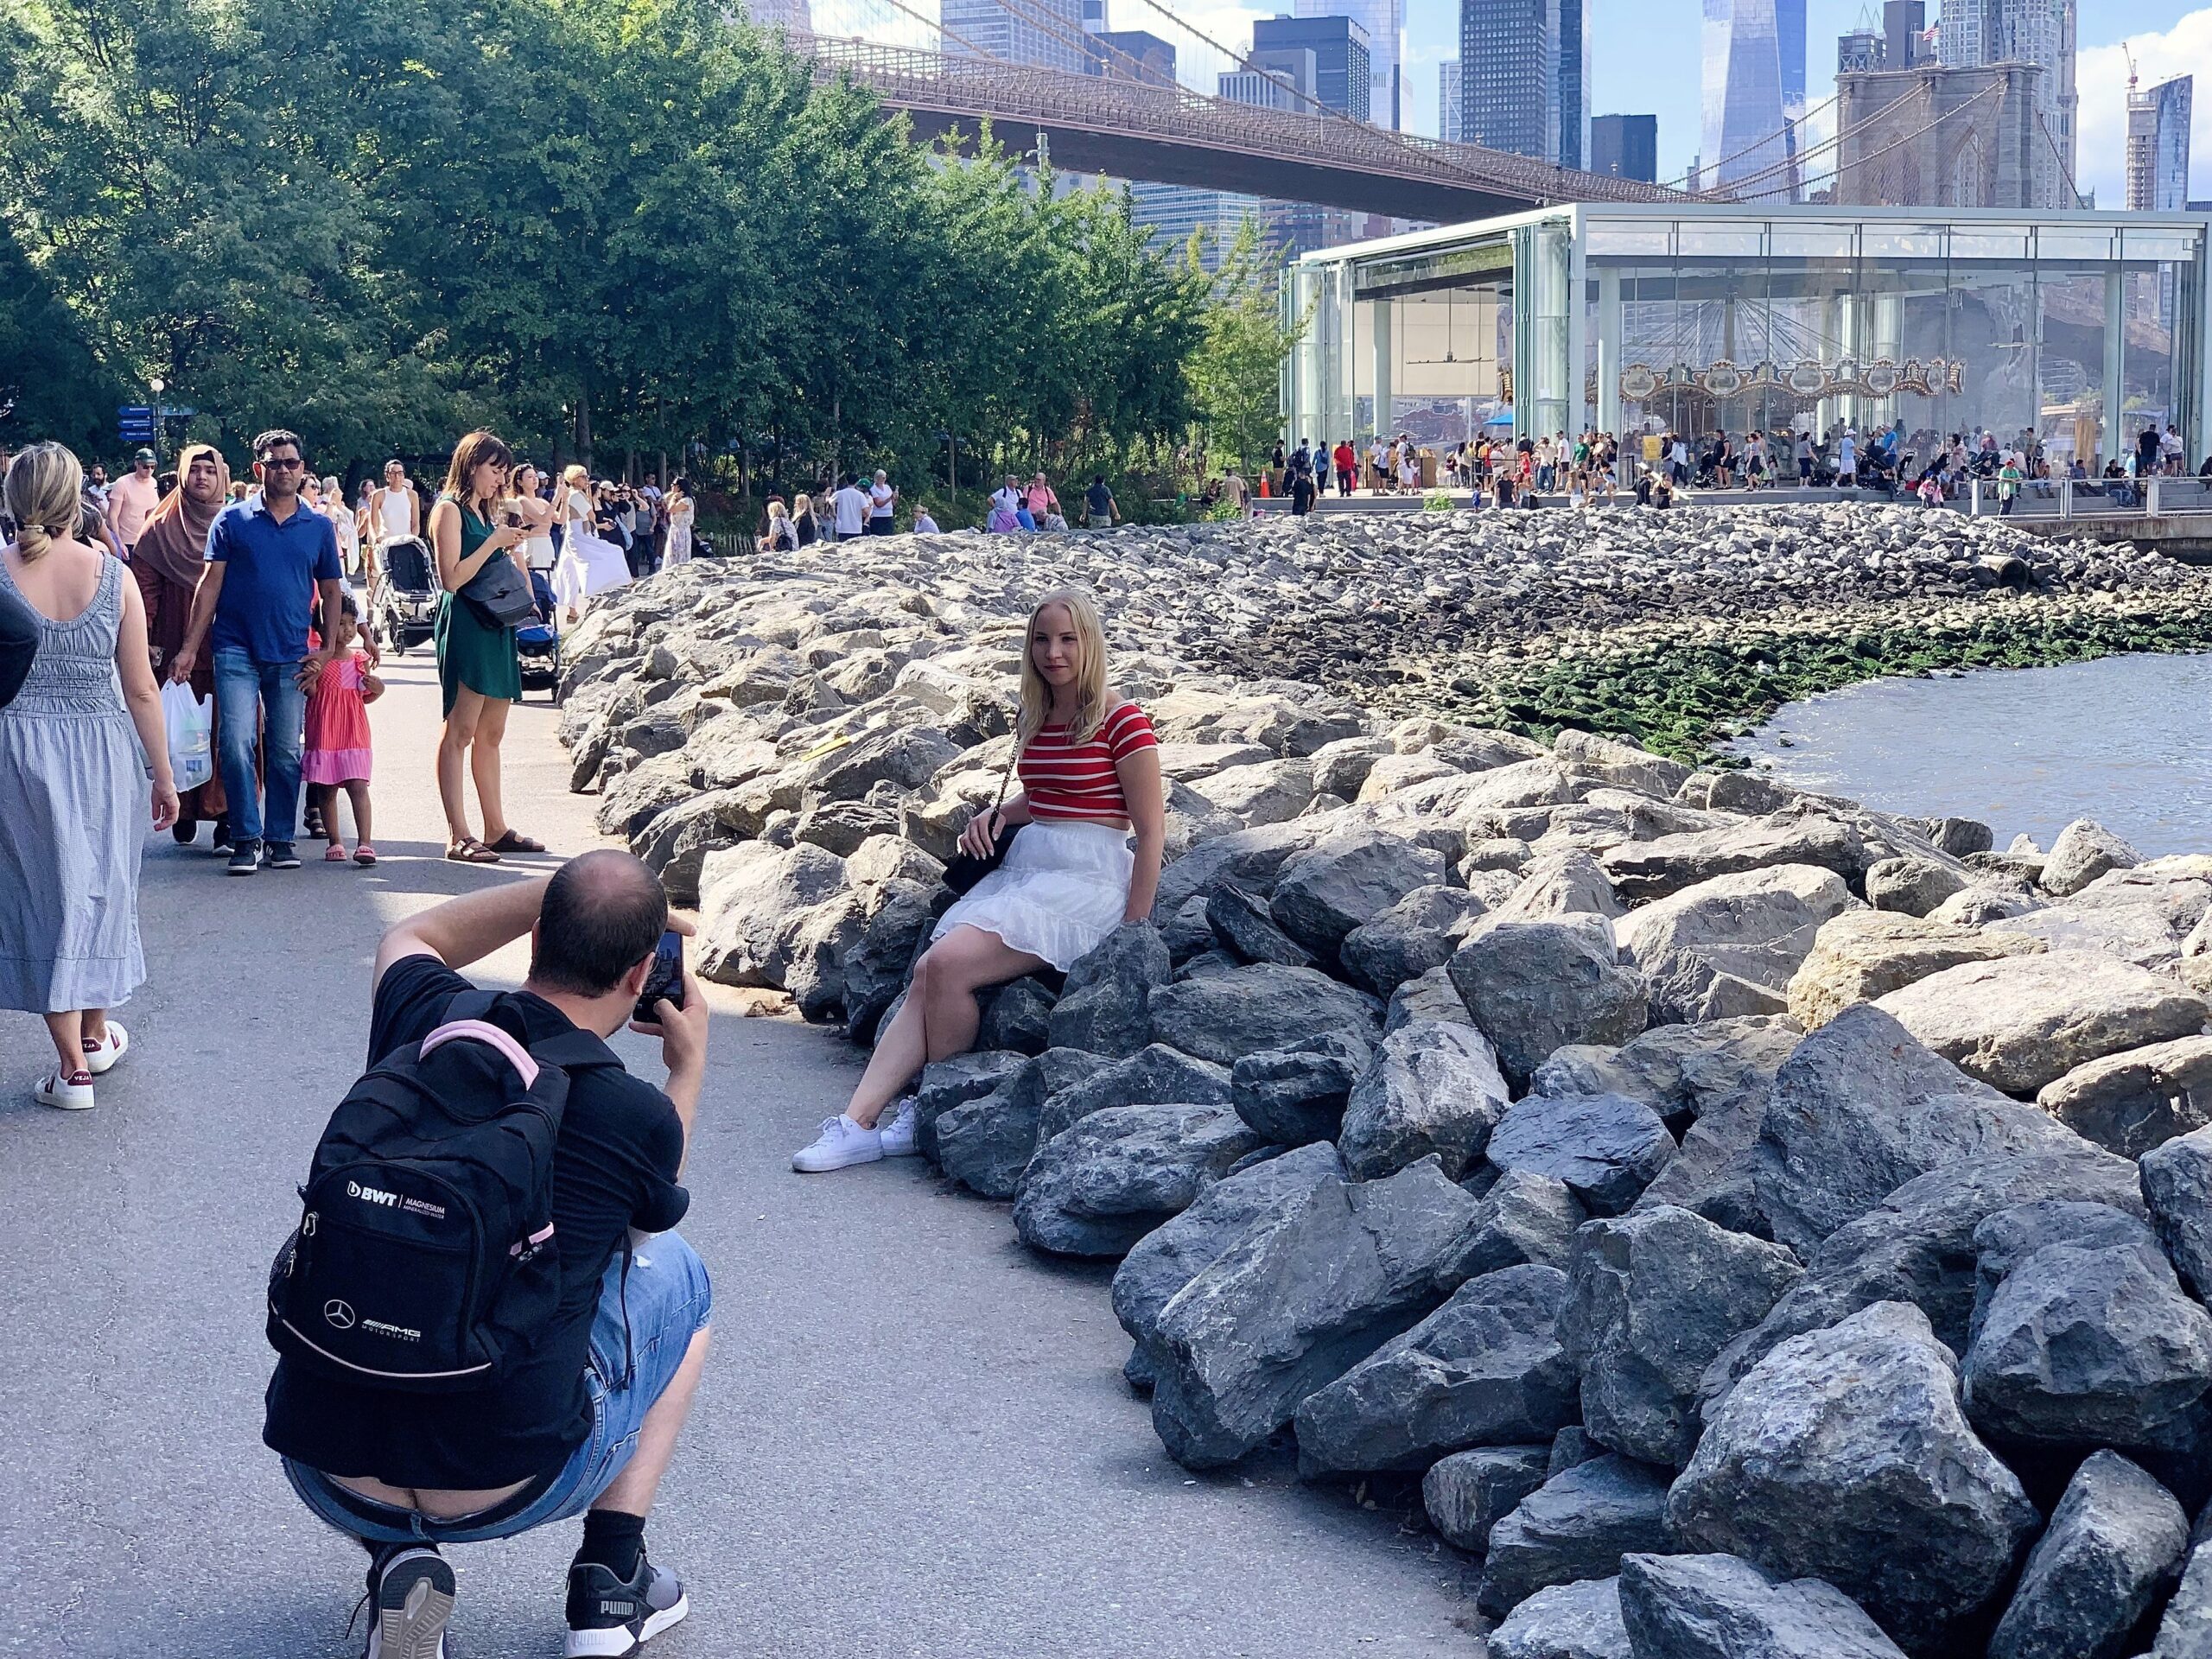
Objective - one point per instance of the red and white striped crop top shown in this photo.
(1079, 780)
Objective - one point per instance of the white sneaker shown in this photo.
(101, 1057)
(898, 1135)
(842, 1143)
(65, 1094)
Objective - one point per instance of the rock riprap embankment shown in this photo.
(1753, 1223)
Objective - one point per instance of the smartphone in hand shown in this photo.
(663, 980)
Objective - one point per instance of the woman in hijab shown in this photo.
(171, 554)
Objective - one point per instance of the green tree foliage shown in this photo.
(627, 224)
(1235, 372)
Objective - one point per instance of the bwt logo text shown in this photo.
(370, 1194)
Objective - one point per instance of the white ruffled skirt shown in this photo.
(1062, 889)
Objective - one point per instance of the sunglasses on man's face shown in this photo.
(282, 464)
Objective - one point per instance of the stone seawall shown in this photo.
(1732, 1209)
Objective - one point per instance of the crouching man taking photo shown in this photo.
(479, 1334)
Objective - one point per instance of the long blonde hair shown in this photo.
(1091, 702)
(45, 495)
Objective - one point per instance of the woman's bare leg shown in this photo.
(453, 755)
(484, 766)
(67, 1030)
(940, 1016)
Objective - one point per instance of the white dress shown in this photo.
(588, 565)
(680, 514)
(1060, 889)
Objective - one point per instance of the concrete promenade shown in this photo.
(912, 1441)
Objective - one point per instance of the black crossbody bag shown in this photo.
(500, 594)
(966, 869)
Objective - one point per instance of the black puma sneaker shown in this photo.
(609, 1619)
(410, 1598)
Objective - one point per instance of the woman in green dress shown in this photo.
(478, 668)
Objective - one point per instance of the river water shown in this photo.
(2127, 741)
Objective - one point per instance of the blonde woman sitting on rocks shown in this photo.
(1089, 773)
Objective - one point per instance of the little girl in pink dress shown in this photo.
(338, 738)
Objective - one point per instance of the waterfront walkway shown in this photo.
(912, 1441)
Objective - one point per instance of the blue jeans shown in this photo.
(668, 1298)
(246, 691)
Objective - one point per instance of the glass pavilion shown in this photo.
(1696, 317)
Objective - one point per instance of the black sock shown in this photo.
(614, 1541)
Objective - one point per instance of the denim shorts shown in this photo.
(668, 1298)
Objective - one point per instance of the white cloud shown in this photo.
(2101, 77)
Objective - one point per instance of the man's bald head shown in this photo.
(603, 914)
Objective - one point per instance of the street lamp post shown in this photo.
(157, 385)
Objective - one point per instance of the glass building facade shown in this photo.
(1634, 318)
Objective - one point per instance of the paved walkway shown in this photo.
(912, 1440)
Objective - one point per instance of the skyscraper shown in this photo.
(1904, 22)
(794, 15)
(1745, 143)
(994, 29)
(1573, 149)
(1509, 75)
(1131, 54)
(1447, 100)
(1625, 146)
(1384, 23)
(1343, 72)
(1975, 32)
(2157, 147)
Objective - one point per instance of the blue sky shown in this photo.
(1644, 60)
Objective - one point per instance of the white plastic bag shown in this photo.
(191, 729)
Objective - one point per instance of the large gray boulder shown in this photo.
(984, 1142)
(1919, 1246)
(1860, 1108)
(1486, 1369)
(1419, 932)
(1018, 1015)
(2185, 1630)
(1606, 1148)
(2024, 1021)
(1154, 1076)
(1652, 869)
(1680, 1071)
(1654, 1298)
(1250, 859)
(1224, 1017)
(1844, 1455)
(1865, 954)
(1165, 1260)
(2145, 915)
(2010, 1235)
(1728, 946)
(1296, 1303)
(1240, 923)
(1580, 1620)
(1534, 987)
(1911, 887)
(897, 916)
(2088, 1346)
(753, 900)
(905, 756)
(1586, 754)
(1577, 1525)
(1524, 1217)
(1430, 1087)
(1724, 1607)
(1469, 1492)
(2177, 1179)
(1322, 895)
(1556, 884)
(2111, 1551)
(1103, 1008)
(2085, 849)
(1100, 1185)
(1295, 1095)
(949, 1083)
(2137, 1099)
(1432, 996)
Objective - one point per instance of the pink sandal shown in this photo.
(365, 854)
(333, 854)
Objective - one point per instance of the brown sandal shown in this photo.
(511, 842)
(469, 850)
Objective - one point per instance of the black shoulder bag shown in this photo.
(966, 869)
(498, 593)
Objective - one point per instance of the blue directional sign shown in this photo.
(135, 412)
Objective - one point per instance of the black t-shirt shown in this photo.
(1099, 499)
(614, 1168)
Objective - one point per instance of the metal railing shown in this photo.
(2155, 497)
(1029, 95)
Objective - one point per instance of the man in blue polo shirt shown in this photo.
(266, 560)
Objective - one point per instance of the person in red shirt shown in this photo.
(1346, 459)
(1088, 766)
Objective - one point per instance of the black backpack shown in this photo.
(424, 1258)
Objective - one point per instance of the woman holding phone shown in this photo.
(478, 670)
(1088, 766)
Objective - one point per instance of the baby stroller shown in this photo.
(537, 643)
(403, 600)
